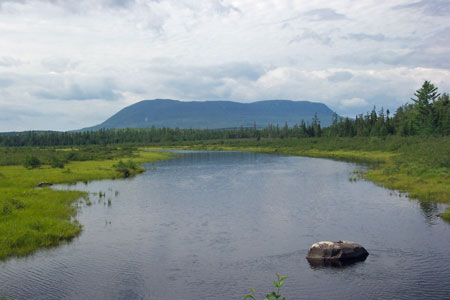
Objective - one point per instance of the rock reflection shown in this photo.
(335, 263)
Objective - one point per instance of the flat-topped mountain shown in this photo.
(215, 114)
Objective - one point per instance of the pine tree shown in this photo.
(423, 105)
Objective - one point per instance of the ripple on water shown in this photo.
(214, 225)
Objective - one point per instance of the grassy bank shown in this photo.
(33, 218)
(419, 166)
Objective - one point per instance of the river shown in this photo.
(212, 225)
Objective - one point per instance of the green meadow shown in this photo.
(32, 218)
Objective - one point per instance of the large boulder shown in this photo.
(336, 251)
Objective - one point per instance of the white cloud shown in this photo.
(58, 64)
(93, 52)
(358, 102)
(8, 61)
(324, 14)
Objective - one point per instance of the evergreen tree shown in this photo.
(423, 106)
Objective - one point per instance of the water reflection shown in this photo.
(429, 209)
(336, 263)
(212, 225)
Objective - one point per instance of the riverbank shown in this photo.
(418, 166)
(32, 218)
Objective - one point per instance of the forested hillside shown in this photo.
(166, 113)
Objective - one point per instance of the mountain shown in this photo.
(37, 132)
(215, 114)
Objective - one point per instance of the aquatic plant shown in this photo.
(5, 297)
(273, 295)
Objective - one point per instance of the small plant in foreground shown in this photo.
(271, 296)
(5, 297)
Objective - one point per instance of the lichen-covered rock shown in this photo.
(333, 251)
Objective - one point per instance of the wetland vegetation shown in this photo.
(33, 218)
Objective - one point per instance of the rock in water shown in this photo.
(336, 251)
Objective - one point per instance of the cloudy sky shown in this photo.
(68, 64)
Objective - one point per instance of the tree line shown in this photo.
(428, 114)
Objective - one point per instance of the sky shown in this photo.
(69, 64)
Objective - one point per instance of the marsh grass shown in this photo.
(32, 218)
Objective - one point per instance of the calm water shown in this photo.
(212, 225)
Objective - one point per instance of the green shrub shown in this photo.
(126, 168)
(31, 162)
(56, 163)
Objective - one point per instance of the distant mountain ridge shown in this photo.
(215, 114)
(29, 131)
